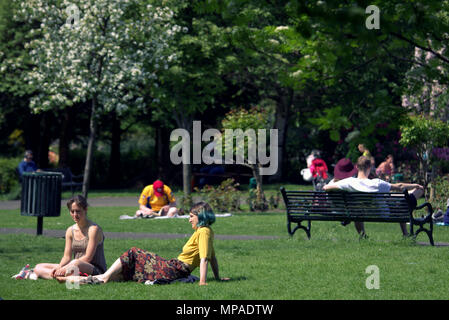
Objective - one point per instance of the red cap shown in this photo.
(158, 188)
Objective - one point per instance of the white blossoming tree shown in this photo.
(101, 51)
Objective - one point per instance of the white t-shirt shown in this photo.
(363, 185)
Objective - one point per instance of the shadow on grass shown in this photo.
(259, 213)
(234, 279)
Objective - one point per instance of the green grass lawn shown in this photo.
(332, 265)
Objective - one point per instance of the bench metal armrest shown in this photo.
(429, 208)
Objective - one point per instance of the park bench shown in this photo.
(353, 206)
(69, 180)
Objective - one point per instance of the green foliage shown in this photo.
(14, 60)
(184, 202)
(409, 171)
(193, 80)
(333, 121)
(243, 119)
(441, 186)
(424, 134)
(135, 163)
(9, 179)
(255, 204)
(223, 198)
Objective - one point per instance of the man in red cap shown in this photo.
(157, 200)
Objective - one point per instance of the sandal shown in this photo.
(23, 273)
(91, 280)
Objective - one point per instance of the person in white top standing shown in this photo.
(363, 184)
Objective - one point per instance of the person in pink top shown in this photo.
(386, 169)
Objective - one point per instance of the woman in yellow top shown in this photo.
(140, 265)
(156, 200)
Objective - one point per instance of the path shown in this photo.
(94, 202)
(133, 235)
(113, 202)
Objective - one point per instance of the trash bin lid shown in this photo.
(42, 173)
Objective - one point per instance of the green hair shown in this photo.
(204, 212)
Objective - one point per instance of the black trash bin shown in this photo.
(41, 196)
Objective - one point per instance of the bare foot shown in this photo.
(73, 279)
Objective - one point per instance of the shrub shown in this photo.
(257, 203)
(441, 185)
(223, 198)
(9, 179)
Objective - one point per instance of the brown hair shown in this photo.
(363, 163)
(79, 200)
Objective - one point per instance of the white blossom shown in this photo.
(68, 58)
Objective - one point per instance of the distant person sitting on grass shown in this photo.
(156, 200)
(83, 251)
(142, 266)
(363, 184)
(386, 169)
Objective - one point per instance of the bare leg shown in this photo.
(403, 226)
(360, 227)
(418, 193)
(113, 273)
(172, 212)
(144, 212)
(43, 270)
(78, 265)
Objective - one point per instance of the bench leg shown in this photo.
(428, 232)
(299, 226)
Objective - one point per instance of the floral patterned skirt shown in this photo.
(140, 265)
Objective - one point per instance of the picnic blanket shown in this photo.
(127, 217)
(442, 224)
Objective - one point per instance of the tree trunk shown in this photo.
(64, 139)
(44, 142)
(261, 202)
(163, 152)
(114, 157)
(432, 184)
(283, 104)
(186, 122)
(90, 147)
(186, 179)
